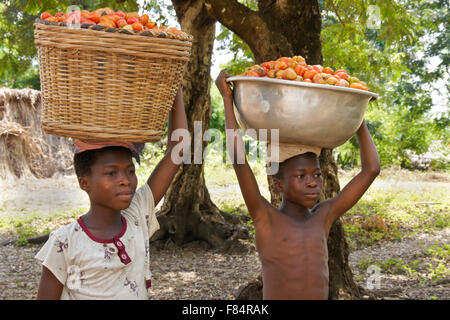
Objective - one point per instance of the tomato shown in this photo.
(340, 70)
(121, 22)
(341, 75)
(137, 26)
(342, 83)
(284, 59)
(103, 11)
(94, 16)
(132, 20)
(300, 70)
(279, 74)
(176, 31)
(45, 15)
(332, 80)
(318, 68)
(271, 73)
(115, 18)
(309, 74)
(128, 27)
(62, 18)
(353, 80)
(328, 70)
(281, 65)
(292, 64)
(265, 65)
(144, 19)
(320, 78)
(259, 70)
(289, 74)
(85, 20)
(151, 24)
(357, 85)
(300, 60)
(107, 23)
(120, 14)
(252, 74)
(132, 15)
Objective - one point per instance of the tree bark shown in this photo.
(188, 213)
(288, 28)
(278, 28)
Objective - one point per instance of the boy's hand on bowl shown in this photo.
(222, 85)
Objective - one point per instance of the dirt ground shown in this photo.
(197, 273)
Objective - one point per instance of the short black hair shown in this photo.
(83, 161)
(281, 165)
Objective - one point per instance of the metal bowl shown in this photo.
(305, 113)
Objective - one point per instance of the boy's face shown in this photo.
(301, 180)
(112, 182)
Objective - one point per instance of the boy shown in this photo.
(292, 240)
(105, 253)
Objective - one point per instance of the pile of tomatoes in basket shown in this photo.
(107, 17)
(296, 69)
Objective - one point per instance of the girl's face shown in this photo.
(113, 180)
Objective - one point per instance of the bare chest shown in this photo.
(293, 243)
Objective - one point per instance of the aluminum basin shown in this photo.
(306, 113)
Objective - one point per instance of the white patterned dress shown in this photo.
(93, 268)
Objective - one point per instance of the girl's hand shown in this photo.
(223, 86)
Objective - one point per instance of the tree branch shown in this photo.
(337, 13)
(231, 14)
(244, 22)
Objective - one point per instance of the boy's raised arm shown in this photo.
(354, 190)
(163, 174)
(255, 202)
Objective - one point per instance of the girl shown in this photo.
(105, 253)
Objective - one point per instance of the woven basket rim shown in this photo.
(104, 134)
(150, 33)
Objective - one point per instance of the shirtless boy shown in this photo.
(292, 240)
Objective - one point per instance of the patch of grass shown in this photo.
(398, 266)
(395, 211)
(439, 254)
(438, 250)
(30, 224)
(391, 265)
(234, 207)
(438, 271)
(431, 266)
(442, 220)
(363, 232)
(364, 263)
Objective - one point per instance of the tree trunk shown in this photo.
(188, 213)
(288, 28)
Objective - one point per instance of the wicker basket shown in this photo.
(108, 85)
